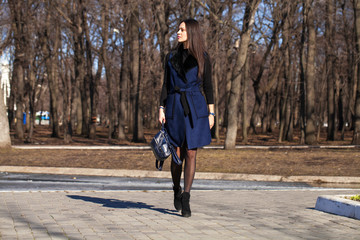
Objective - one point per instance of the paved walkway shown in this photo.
(122, 215)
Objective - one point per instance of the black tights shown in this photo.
(189, 171)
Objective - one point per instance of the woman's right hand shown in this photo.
(162, 115)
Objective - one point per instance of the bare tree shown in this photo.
(233, 110)
(272, 52)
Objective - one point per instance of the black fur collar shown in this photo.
(181, 66)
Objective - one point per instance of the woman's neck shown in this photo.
(186, 45)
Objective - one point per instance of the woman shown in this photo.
(188, 114)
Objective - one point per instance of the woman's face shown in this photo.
(182, 34)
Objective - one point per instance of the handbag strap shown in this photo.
(175, 157)
(159, 165)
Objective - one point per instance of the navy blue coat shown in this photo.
(186, 110)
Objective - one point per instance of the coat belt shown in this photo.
(183, 99)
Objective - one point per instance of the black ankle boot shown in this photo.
(177, 198)
(185, 200)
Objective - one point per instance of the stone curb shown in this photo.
(338, 205)
(167, 174)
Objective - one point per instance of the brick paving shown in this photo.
(241, 214)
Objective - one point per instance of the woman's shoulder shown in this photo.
(167, 57)
(171, 53)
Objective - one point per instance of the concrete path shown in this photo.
(238, 214)
(241, 214)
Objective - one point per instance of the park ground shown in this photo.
(313, 161)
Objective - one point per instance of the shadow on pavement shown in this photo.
(115, 203)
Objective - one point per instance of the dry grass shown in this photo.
(313, 161)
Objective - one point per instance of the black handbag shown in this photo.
(162, 148)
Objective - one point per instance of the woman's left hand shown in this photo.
(211, 121)
(211, 115)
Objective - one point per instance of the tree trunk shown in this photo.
(310, 128)
(94, 92)
(11, 103)
(351, 78)
(79, 62)
(138, 131)
(330, 60)
(123, 85)
(88, 79)
(18, 23)
(233, 110)
(18, 75)
(31, 93)
(51, 56)
(289, 101)
(162, 16)
(67, 105)
(216, 73)
(245, 102)
(215, 37)
(302, 79)
(285, 113)
(228, 65)
(289, 70)
(356, 136)
(5, 140)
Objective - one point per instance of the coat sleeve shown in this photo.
(207, 81)
(164, 90)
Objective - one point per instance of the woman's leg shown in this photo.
(189, 174)
(176, 177)
(190, 167)
(176, 170)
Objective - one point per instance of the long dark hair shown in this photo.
(196, 43)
